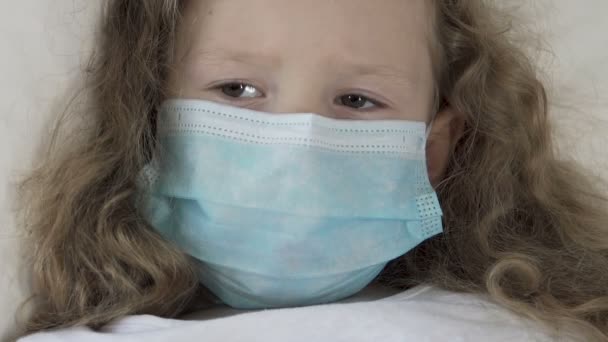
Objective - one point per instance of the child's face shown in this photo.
(309, 56)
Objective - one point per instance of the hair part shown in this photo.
(521, 226)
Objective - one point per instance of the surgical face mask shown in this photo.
(287, 209)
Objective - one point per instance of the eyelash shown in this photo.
(374, 102)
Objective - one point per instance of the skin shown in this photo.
(345, 59)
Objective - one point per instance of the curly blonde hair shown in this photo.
(521, 226)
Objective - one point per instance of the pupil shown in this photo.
(355, 100)
(234, 90)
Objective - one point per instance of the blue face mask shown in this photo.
(287, 209)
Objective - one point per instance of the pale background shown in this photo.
(44, 45)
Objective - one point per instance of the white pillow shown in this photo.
(46, 41)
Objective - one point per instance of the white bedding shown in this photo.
(43, 42)
(421, 314)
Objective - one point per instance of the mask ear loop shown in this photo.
(433, 116)
(429, 128)
(436, 109)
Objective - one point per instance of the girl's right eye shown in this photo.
(239, 90)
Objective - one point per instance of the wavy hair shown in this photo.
(522, 226)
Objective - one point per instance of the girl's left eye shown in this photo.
(357, 101)
(239, 90)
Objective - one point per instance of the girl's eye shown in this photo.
(356, 101)
(236, 89)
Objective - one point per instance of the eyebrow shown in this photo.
(262, 59)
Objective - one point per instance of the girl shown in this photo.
(189, 177)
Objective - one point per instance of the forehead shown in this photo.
(393, 34)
